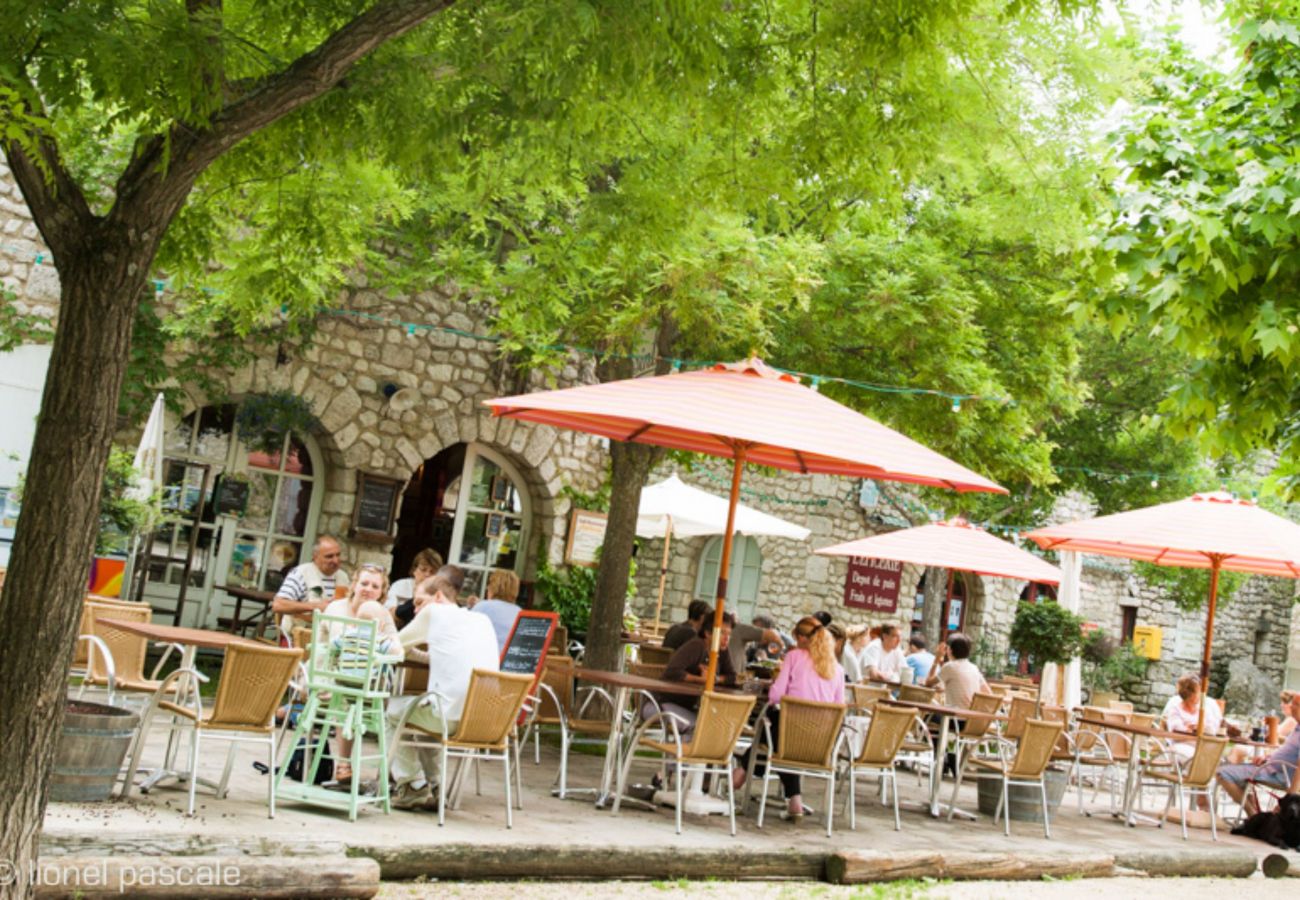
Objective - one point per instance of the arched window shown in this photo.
(743, 580)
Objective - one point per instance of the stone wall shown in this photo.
(35, 284)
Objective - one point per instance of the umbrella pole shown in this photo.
(724, 566)
(1215, 561)
(943, 612)
(663, 572)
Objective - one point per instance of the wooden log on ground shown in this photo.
(100, 843)
(1199, 861)
(858, 867)
(479, 861)
(200, 877)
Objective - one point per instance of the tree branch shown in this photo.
(187, 151)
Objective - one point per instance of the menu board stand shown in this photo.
(530, 638)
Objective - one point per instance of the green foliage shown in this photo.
(1198, 245)
(264, 419)
(568, 590)
(120, 515)
(1046, 632)
(18, 328)
(1111, 666)
(1190, 588)
(989, 658)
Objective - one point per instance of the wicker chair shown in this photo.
(808, 738)
(916, 693)
(647, 670)
(654, 655)
(864, 697)
(487, 723)
(116, 658)
(1027, 767)
(85, 636)
(1196, 776)
(1094, 747)
(253, 681)
(713, 741)
(1022, 708)
(886, 737)
(556, 693)
(976, 732)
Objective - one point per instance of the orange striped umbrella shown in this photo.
(746, 412)
(1214, 531)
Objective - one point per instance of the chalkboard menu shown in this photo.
(232, 497)
(529, 639)
(376, 507)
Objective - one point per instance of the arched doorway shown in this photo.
(270, 488)
(471, 505)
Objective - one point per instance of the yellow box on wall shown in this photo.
(1146, 640)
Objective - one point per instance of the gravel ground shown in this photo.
(1182, 888)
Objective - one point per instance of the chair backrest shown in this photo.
(718, 726)
(647, 670)
(346, 662)
(1121, 705)
(492, 707)
(890, 726)
(866, 696)
(557, 675)
(1002, 690)
(81, 653)
(981, 703)
(652, 654)
(1145, 720)
(253, 680)
(128, 649)
(1118, 742)
(1087, 736)
(1035, 749)
(1062, 715)
(916, 693)
(1199, 772)
(1021, 709)
(808, 732)
(559, 642)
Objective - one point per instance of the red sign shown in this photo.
(873, 584)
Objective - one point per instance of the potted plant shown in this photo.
(264, 419)
(1111, 670)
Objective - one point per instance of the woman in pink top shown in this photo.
(809, 672)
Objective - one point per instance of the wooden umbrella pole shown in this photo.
(724, 567)
(1216, 560)
(943, 612)
(663, 571)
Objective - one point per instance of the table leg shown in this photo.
(936, 767)
(166, 770)
(613, 751)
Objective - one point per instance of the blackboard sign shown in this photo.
(232, 497)
(529, 639)
(376, 507)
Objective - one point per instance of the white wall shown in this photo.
(22, 380)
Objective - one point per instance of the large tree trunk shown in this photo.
(41, 603)
(630, 466)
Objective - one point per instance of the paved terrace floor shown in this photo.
(156, 823)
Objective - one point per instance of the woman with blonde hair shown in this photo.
(809, 672)
(851, 655)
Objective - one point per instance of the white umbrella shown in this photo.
(673, 507)
(149, 455)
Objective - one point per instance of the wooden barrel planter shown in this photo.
(1026, 803)
(92, 745)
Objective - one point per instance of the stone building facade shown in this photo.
(408, 407)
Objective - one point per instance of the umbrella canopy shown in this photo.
(777, 421)
(955, 544)
(1212, 531)
(746, 412)
(149, 455)
(674, 506)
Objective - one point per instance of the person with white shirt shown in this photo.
(851, 658)
(1183, 711)
(425, 565)
(457, 642)
(883, 659)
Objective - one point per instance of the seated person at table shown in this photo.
(762, 620)
(1183, 710)
(406, 610)
(689, 663)
(920, 659)
(1279, 770)
(684, 631)
(425, 565)
(851, 658)
(743, 636)
(499, 603)
(386, 640)
(310, 587)
(809, 672)
(457, 641)
(953, 669)
(883, 659)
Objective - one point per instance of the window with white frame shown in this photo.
(743, 580)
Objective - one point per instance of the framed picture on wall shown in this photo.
(500, 489)
(496, 524)
(586, 535)
(375, 512)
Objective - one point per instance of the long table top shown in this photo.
(175, 634)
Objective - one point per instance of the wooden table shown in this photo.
(624, 684)
(190, 639)
(946, 714)
(266, 598)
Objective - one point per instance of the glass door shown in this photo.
(492, 517)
